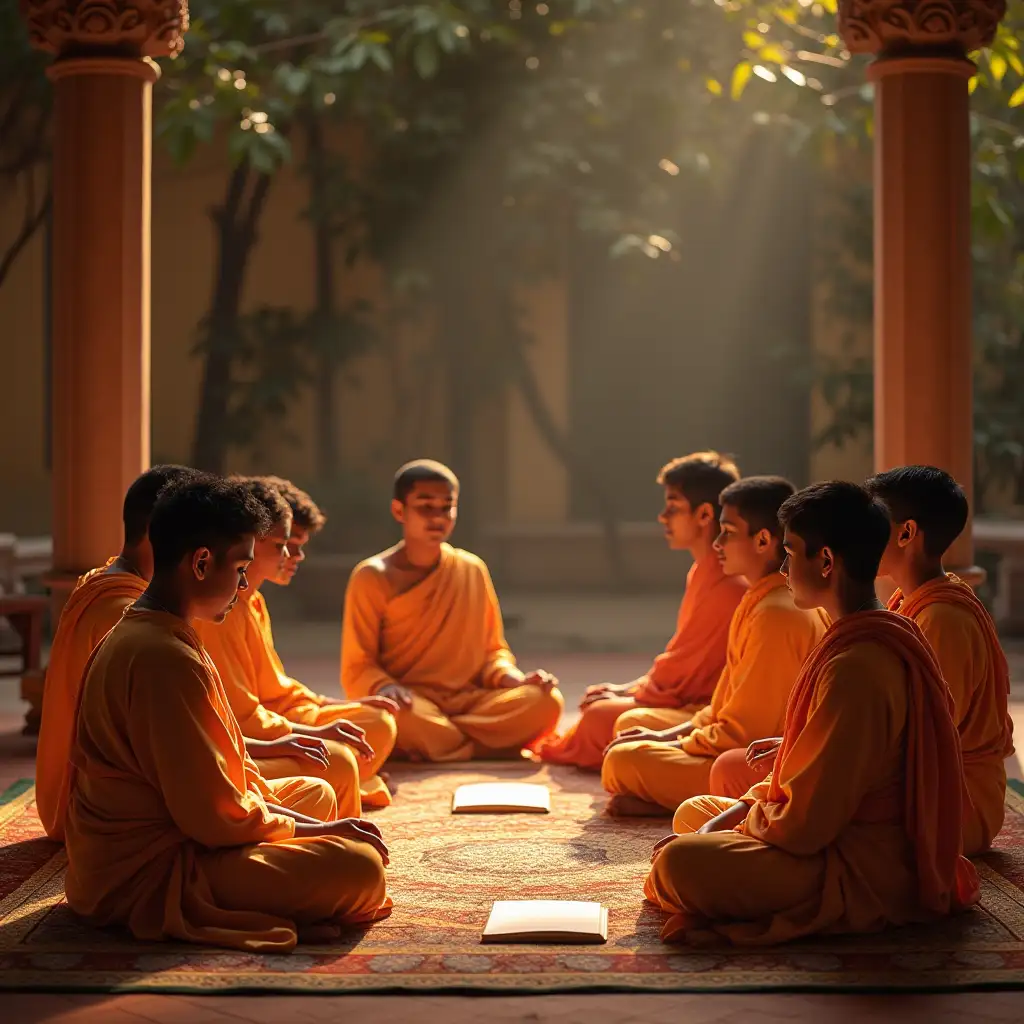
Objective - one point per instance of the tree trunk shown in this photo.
(235, 223)
(33, 218)
(560, 446)
(325, 419)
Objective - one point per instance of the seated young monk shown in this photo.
(170, 829)
(422, 626)
(859, 826)
(374, 715)
(682, 679)
(652, 771)
(93, 609)
(929, 511)
(287, 732)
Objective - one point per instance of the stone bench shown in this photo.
(1005, 539)
(23, 617)
(26, 615)
(23, 559)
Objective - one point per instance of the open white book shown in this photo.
(501, 798)
(564, 921)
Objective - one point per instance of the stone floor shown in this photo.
(571, 1009)
(564, 637)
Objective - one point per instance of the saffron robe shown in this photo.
(168, 830)
(769, 640)
(963, 636)
(288, 697)
(93, 609)
(443, 639)
(681, 680)
(260, 696)
(731, 775)
(859, 825)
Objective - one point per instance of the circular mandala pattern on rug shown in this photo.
(489, 858)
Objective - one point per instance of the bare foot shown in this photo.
(385, 777)
(633, 807)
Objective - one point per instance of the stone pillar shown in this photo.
(102, 75)
(923, 329)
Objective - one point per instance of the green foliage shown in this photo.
(789, 36)
(520, 127)
(251, 75)
(252, 67)
(24, 132)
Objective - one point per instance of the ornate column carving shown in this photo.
(102, 77)
(923, 329)
(890, 27)
(125, 28)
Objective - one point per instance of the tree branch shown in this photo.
(30, 224)
(33, 151)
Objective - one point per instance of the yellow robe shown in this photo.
(858, 828)
(964, 639)
(168, 830)
(93, 609)
(769, 640)
(288, 697)
(253, 684)
(442, 638)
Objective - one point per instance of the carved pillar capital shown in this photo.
(900, 27)
(107, 28)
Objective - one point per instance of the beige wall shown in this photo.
(832, 336)
(538, 484)
(391, 402)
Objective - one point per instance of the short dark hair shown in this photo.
(844, 517)
(203, 511)
(758, 500)
(929, 496)
(306, 514)
(700, 477)
(269, 497)
(141, 496)
(422, 471)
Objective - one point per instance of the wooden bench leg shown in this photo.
(32, 691)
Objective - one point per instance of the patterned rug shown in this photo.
(445, 873)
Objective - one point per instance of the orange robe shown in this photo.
(443, 639)
(858, 827)
(93, 609)
(168, 830)
(266, 702)
(681, 680)
(732, 776)
(288, 697)
(964, 639)
(769, 640)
